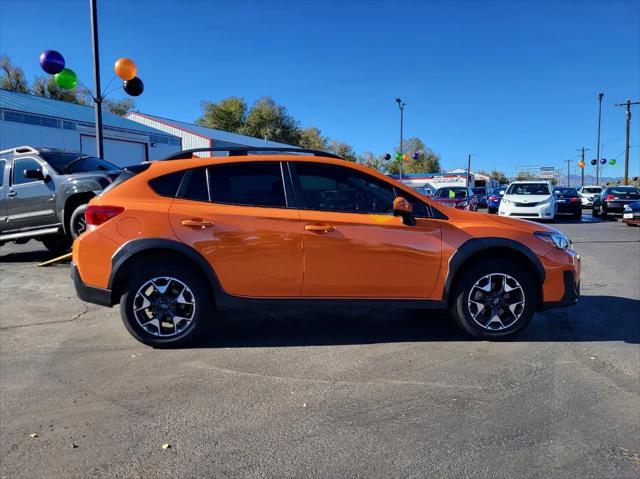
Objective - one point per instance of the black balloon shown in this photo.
(133, 87)
(387, 157)
(593, 162)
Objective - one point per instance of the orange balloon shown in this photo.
(125, 69)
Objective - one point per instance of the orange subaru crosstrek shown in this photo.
(173, 241)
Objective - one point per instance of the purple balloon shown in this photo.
(603, 161)
(51, 61)
(416, 155)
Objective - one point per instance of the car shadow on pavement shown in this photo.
(26, 256)
(594, 318)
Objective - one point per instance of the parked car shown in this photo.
(631, 213)
(458, 197)
(481, 194)
(494, 198)
(568, 201)
(529, 199)
(175, 241)
(426, 190)
(588, 192)
(613, 200)
(44, 193)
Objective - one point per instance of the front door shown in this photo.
(237, 216)
(353, 245)
(30, 203)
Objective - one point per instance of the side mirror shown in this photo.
(35, 174)
(401, 207)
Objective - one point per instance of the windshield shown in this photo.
(498, 191)
(480, 191)
(565, 191)
(65, 163)
(529, 189)
(451, 193)
(591, 190)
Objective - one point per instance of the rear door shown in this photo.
(30, 202)
(3, 194)
(237, 215)
(353, 245)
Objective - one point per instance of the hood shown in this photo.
(528, 198)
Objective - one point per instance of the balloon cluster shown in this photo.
(52, 62)
(127, 71)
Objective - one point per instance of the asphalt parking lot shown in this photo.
(324, 395)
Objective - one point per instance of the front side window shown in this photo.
(19, 167)
(334, 188)
(250, 184)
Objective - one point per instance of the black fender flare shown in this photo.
(72, 188)
(132, 247)
(475, 245)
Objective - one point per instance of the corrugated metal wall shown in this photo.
(189, 140)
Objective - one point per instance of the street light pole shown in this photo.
(96, 76)
(626, 151)
(600, 95)
(401, 105)
(568, 173)
(583, 149)
(468, 170)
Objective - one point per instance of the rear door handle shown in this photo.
(196, 223)
(320, 228)
(12, 194)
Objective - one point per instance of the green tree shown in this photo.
(48, 88)
(343, 150)
(499, 176)
(12, 76)
(119, 107)
(372, 161)
(427, 161)
(267, 119)
(312, 138)
(230, 114)
(524, 176)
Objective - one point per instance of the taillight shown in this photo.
(99, 214)
(492, 198)
(574, 200)
(610, 197)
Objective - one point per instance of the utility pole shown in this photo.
(626, 151)
(469, 171)
(583, 149)
(96, 76)
(568, 173)
(401, 105)
(600, 95)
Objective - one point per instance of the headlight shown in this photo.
(558, 240)
(547, 201)
(506, 201)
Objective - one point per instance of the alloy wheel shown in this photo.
(164, 306)
(496, 301)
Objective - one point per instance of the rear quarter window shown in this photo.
(167, 185)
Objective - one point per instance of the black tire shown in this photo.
(595, 213)
(491, 211)
(77, 222)
(577, 215)
(59, 244)
(603, 213)
(200, 294)
(461, 310)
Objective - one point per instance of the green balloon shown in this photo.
(398, 156)
(66, 79)
(612, 162)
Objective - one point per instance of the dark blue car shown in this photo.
(494, 198)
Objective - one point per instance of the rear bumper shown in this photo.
(90, 294)
(569, 207)
(571, 293)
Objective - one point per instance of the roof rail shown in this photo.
(20, 150)
(245, 150)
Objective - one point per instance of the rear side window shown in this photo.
(2, 166)
(195, 185)
(167, 185)
(250, 184)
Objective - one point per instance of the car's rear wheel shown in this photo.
(165, 306)
(58, 244)
(494, 299)
(577, 215)
(78, 222)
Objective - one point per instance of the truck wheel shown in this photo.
(165, 306)
(77, 222)
(59, 244)
(494, 300)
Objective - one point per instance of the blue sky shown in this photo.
(515, 83)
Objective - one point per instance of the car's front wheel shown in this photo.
(165, 306)
(494, 299)
(57, 244)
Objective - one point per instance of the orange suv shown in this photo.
(173, 241)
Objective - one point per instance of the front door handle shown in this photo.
(196, 223)
(320, 228)
(12, 194)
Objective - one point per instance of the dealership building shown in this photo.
(43, 122)
(196, 136)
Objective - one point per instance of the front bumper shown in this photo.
(90, 294)
(571, 292)
(545, 211)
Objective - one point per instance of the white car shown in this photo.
(529, 199)
(587, 192)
